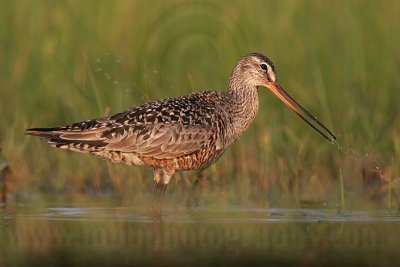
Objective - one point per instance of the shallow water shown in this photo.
(88, 235)
(231, 215)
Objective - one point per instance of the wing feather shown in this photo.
(162, 141)
(162, 129)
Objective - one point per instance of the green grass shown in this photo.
(66, 61)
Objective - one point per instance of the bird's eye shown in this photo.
(264, 66)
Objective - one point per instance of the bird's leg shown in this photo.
(163, 189)
(166, 177)
(157, 180)
(161, 180)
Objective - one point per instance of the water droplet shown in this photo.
(98, 60)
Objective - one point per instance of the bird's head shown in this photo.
(253, 70)
(256, 70)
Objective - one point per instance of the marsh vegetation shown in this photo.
(67, 61)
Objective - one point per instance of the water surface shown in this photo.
(90, 235)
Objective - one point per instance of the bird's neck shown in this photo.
(243, 108)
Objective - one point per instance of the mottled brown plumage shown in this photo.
(182, 133)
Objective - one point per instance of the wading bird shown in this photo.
(183, 133)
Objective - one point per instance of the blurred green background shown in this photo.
(67, 61)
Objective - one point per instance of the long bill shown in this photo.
(301, 112)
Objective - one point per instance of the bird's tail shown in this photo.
(43, 132)
(67, 138)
